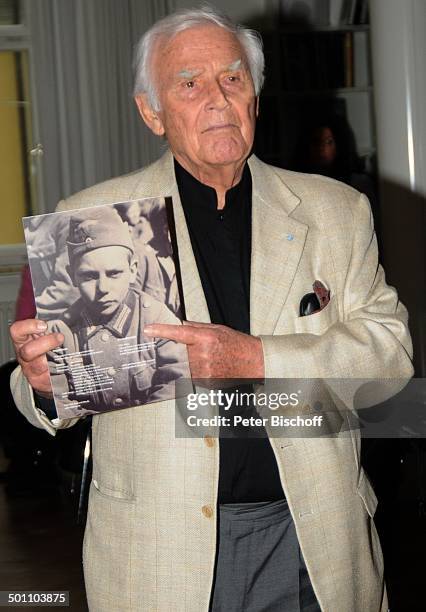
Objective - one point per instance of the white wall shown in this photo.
(398, 33)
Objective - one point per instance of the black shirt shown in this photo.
(221, 242)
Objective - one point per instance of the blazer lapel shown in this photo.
(160, 180)
(277, 245)
(195, 302)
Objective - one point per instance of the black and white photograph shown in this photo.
(100, 275)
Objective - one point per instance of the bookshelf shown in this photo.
(315, 70)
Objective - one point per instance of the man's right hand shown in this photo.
(31, 345)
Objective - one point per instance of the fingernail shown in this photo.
(148, 331)
(60, 338)
(41, 325)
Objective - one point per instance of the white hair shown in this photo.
(185, 19)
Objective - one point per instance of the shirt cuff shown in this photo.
(47, 405)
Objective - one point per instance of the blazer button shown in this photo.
(105, 336)
(209, 441)
(207, 511)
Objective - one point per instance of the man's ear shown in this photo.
(133, 268)
(150, 117)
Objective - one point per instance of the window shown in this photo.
(15, 191)
(10, 12)
(18, 154)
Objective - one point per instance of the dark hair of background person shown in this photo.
(311, 154)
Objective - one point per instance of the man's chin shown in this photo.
(223, 149)
(106, 312)
(224, 156)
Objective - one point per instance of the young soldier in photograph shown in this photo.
(104, 329)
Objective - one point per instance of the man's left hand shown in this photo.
(215, 351)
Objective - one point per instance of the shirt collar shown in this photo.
(192, 191)
(119, 325)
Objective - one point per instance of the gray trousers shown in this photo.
(260, 567)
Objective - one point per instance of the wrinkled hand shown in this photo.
(215, 351)
(31, 346)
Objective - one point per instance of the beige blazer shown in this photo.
(150, 539)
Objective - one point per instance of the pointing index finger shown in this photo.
(179, 333)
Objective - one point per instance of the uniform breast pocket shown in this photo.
(319, 322)
(142, 378)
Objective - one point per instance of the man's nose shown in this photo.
(103, 284)
(217, 99)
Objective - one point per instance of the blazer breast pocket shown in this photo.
(318, 322)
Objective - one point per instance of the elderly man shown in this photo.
(188, 524)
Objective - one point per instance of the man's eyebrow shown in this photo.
(86, 270)
(188, 74)
(235, 65)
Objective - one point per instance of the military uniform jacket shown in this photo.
(150, 539)
(159, 362)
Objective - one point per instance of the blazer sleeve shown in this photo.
(371, 337)
(23, 396)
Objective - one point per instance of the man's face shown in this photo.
(323, 148)
(103, 277)
(208, 103)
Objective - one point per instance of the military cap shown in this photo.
(96, 227)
